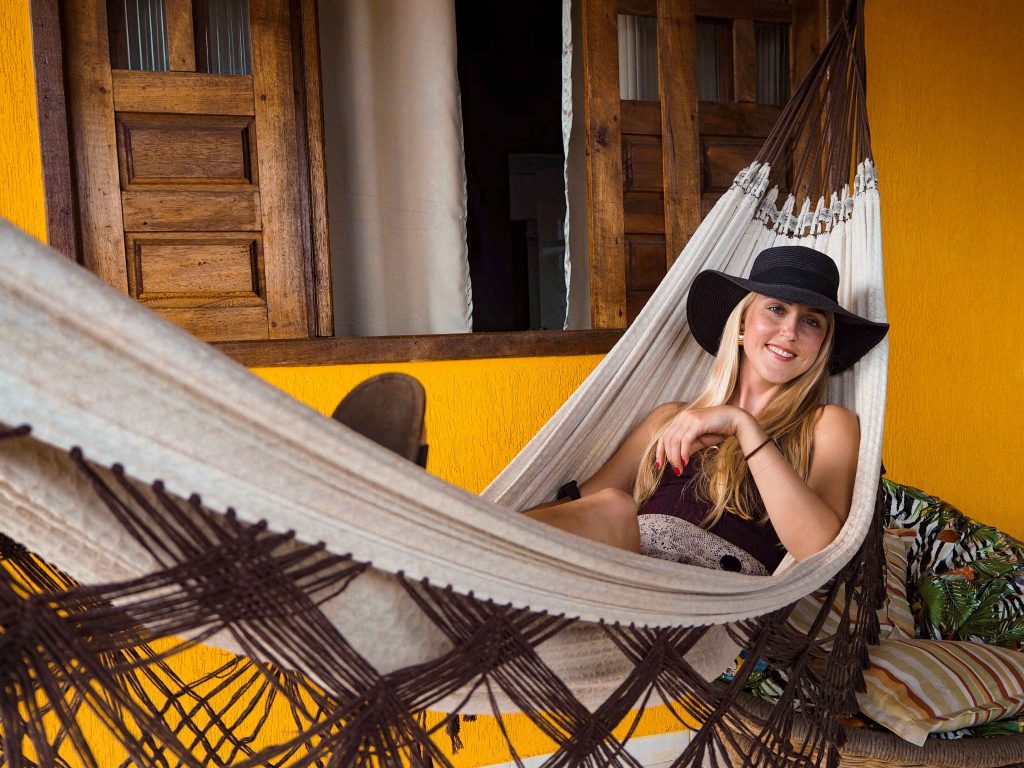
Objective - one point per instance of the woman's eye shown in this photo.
(775, 308)
(813, 322)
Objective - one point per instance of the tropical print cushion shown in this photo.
(894, 617)
(966, 579)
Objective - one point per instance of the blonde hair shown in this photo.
(789, 417)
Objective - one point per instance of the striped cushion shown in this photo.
(917, 687)
(894, 617)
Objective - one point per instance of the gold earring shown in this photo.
(740, 339)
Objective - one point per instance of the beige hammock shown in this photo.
(364, 591)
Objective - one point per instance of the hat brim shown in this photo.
(714, 295)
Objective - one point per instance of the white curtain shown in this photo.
(577, 242)
(396, 178)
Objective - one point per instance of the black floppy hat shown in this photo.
(792, 273)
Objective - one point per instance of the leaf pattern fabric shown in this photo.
(966, 579)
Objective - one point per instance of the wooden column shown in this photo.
(91, 111)
(287, 301)
(604, 163)
(315, 162)
(181, 41)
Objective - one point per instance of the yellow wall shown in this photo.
(946, 113)
(21, 166)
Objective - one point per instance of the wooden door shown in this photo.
(187, 181)
(664, 140)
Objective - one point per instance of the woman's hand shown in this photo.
(693, 430)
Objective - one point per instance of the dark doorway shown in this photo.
(509, 63)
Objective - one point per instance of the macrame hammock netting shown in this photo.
(354, 592)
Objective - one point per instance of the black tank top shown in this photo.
(669, 516)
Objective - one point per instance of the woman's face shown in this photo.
(781, 340)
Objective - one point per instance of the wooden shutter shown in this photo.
(188, 182)
(656, 166)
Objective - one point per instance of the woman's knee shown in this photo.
(617, 510)
(616, 501)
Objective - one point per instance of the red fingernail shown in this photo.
(684, 462)
(677, 470)
(657, 464)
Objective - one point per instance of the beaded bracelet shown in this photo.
(762, 445)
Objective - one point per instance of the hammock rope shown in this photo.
(353, 593)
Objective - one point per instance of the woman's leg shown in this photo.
(608, 516)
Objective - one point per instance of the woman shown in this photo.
(757, 464)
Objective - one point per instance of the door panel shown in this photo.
(656, 167)
(189, 150)
(183, 93)
(159, 211)
(189, 181)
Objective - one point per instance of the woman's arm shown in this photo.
(806, 516)
(606, 511)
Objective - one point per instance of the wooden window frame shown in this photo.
(61, 212)
(62, 229)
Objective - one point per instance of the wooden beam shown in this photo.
(677, 69)
(807, 38)
(641, 117)
(288, 300)
(312, 110)
(181, 40)
(397, 349)
(728, 119)
(91, 108)
(638, 7)
(753, 10)
(805, 45)
(157, 210)
(744, 61)
(183, 92)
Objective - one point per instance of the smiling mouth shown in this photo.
(780, 353)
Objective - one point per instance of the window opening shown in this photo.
(772, 63)
(509, 64)
(138, 34)
(222, 35)
(638, 58)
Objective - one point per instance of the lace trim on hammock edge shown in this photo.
(753, 181)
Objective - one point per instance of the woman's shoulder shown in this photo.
(836, 421)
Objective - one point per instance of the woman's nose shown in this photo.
(789, 328)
